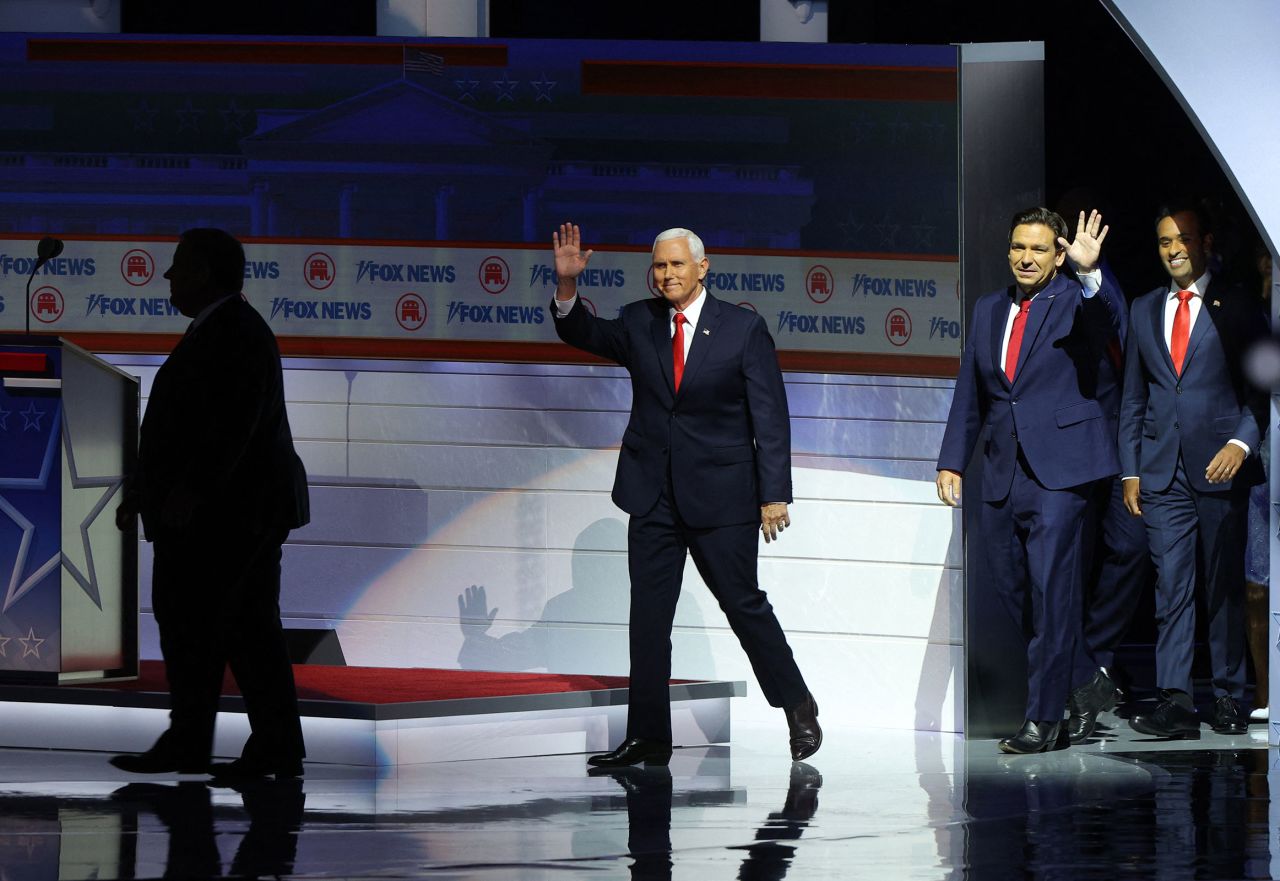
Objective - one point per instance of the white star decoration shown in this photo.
(30, 643)
(86, 577)
(4, 641)
(4, 419)
(887, 231)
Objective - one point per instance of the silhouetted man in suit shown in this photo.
(1190, 427)
(219, 486)
(705, 463)
(1027, 392)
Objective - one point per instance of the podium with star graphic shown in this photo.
(68, 576)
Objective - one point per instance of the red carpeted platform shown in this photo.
(390, 685)
(375, 715)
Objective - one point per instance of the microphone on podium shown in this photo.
(46, 250)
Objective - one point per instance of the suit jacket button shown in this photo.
(1013, 434)
(1179, 389)
(1176, 426)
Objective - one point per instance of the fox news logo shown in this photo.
(545, 276)
(796, 322)
(82, 266)
(416, 273)
(101, 304)
(289, 309)
(884, 286)
(760, 282)
(491, 313)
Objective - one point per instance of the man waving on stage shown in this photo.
(1027, 392)
(705, 463)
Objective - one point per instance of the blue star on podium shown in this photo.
(17, 589)
(506, 88)
(31, 417)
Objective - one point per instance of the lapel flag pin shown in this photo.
(1217, 302)
(706, 331)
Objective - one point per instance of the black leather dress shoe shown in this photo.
(633, 751)
(1227, 718)
(255, 768)
(1168, 719)
(806, 733)
(1035, 737)
(1086, 702)
(157, 762)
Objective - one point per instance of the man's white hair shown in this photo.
(695, 244)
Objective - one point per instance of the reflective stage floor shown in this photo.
(871, 804)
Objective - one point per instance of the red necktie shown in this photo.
(1181, 331)
(677, 348)
(1015, 338)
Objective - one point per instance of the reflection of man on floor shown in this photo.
(650, 796)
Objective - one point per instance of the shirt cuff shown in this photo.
(564, 307)
(1242, 445)
(1090, 281)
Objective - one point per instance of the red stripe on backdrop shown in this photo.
(257, 52)
(518, 353)
(733, 80)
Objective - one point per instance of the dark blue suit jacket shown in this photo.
(726, 436)
(216, 427)
(1163, 415)
(1051, 410)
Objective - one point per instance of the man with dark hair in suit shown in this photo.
(705, 463)
(219, 485)
(1027, 391)
(1190, 428)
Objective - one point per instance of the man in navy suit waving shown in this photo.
(1190, 428)
(1027, 392)
(705, 463)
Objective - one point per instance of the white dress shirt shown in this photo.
(1197, 287)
